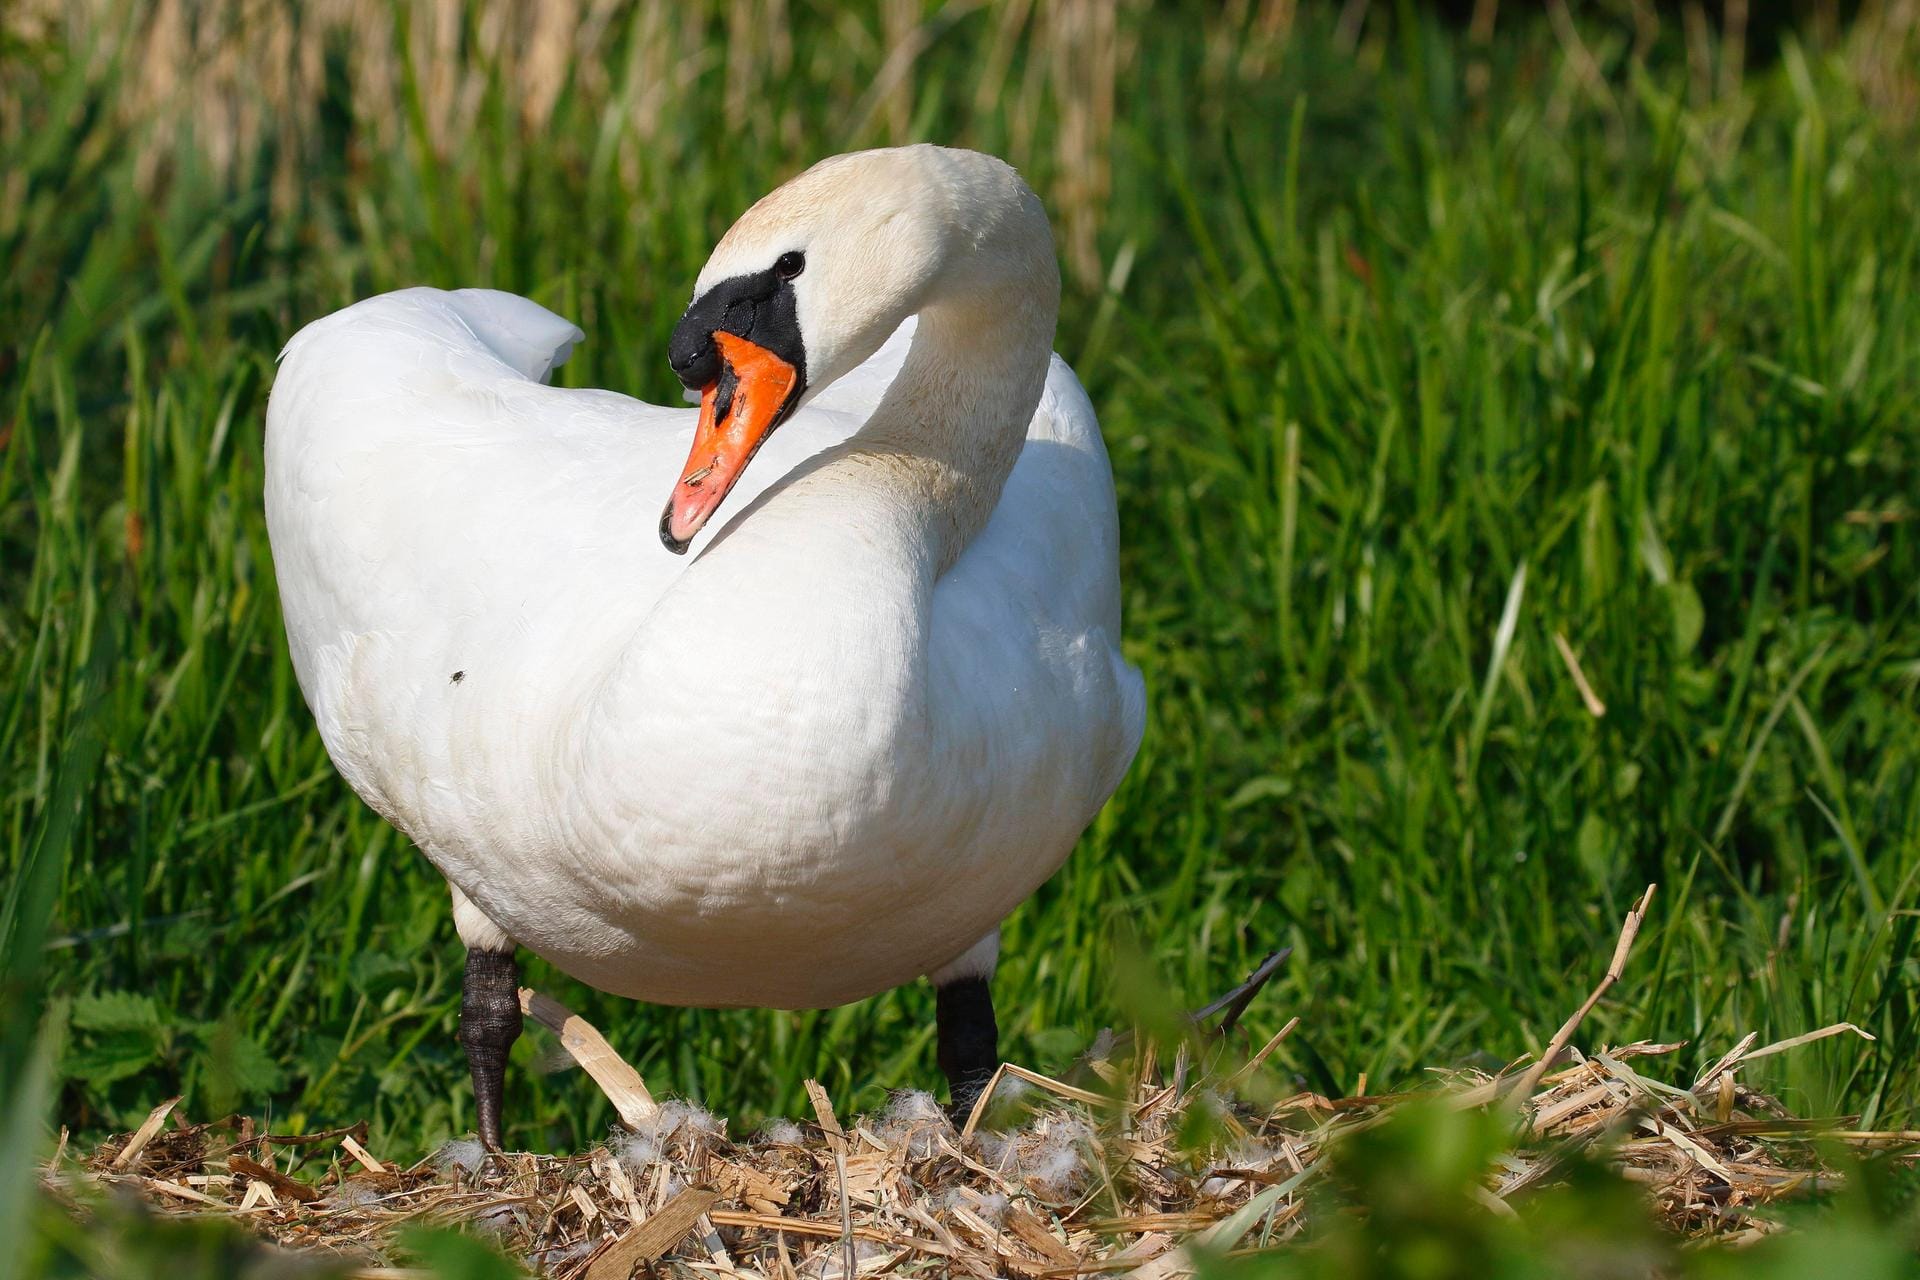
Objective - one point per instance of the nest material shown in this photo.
(1091, 1179)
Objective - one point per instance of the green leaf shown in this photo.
(116, 1011)
(111, 1056)
(452, 1256)
(237, 1068)
(1689, 617)
(1594, 845)
(1057, 1044)
(372, 970)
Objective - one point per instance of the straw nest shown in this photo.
(1085, 1178)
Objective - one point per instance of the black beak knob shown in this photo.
(695, 360)
(758, 307)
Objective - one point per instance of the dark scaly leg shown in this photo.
(489, 1024)
(969, 1041)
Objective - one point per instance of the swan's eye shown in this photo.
(790, 264)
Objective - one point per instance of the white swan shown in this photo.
(824, 755)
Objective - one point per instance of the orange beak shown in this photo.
(727, 437)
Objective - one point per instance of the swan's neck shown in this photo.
(951, 426)
(800, 634)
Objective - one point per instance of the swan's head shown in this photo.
(813, 278)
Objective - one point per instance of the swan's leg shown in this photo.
(489, 1010)
(969, 1039)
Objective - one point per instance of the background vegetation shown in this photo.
(1514, 422)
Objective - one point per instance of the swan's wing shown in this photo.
(417, 470)
(434, 508)
(527, 337)
(1029, 616)
(415, 455)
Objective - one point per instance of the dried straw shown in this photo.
(1088, 1178)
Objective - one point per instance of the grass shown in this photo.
(1441, 375)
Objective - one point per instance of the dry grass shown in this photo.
(240, 76)
(249, 79)
(1098, 1176)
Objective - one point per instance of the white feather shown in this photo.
(782, 771)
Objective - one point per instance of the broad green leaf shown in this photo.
(116, 1011)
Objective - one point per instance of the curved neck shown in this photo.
(951, 425)
(824, 584)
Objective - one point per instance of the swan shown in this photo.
(790, 759)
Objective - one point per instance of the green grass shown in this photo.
(1403, 379)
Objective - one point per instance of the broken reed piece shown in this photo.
(292, 1188)
(583, 1042)
(144, 1134)
(837, 1143)
(648, 1242)
(1628, 932)
(1034, 1078)
(360, 1153)
(631, 1100)
(1254, 1063)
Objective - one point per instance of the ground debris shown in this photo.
(1102, 1172)
(1053, 1189)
